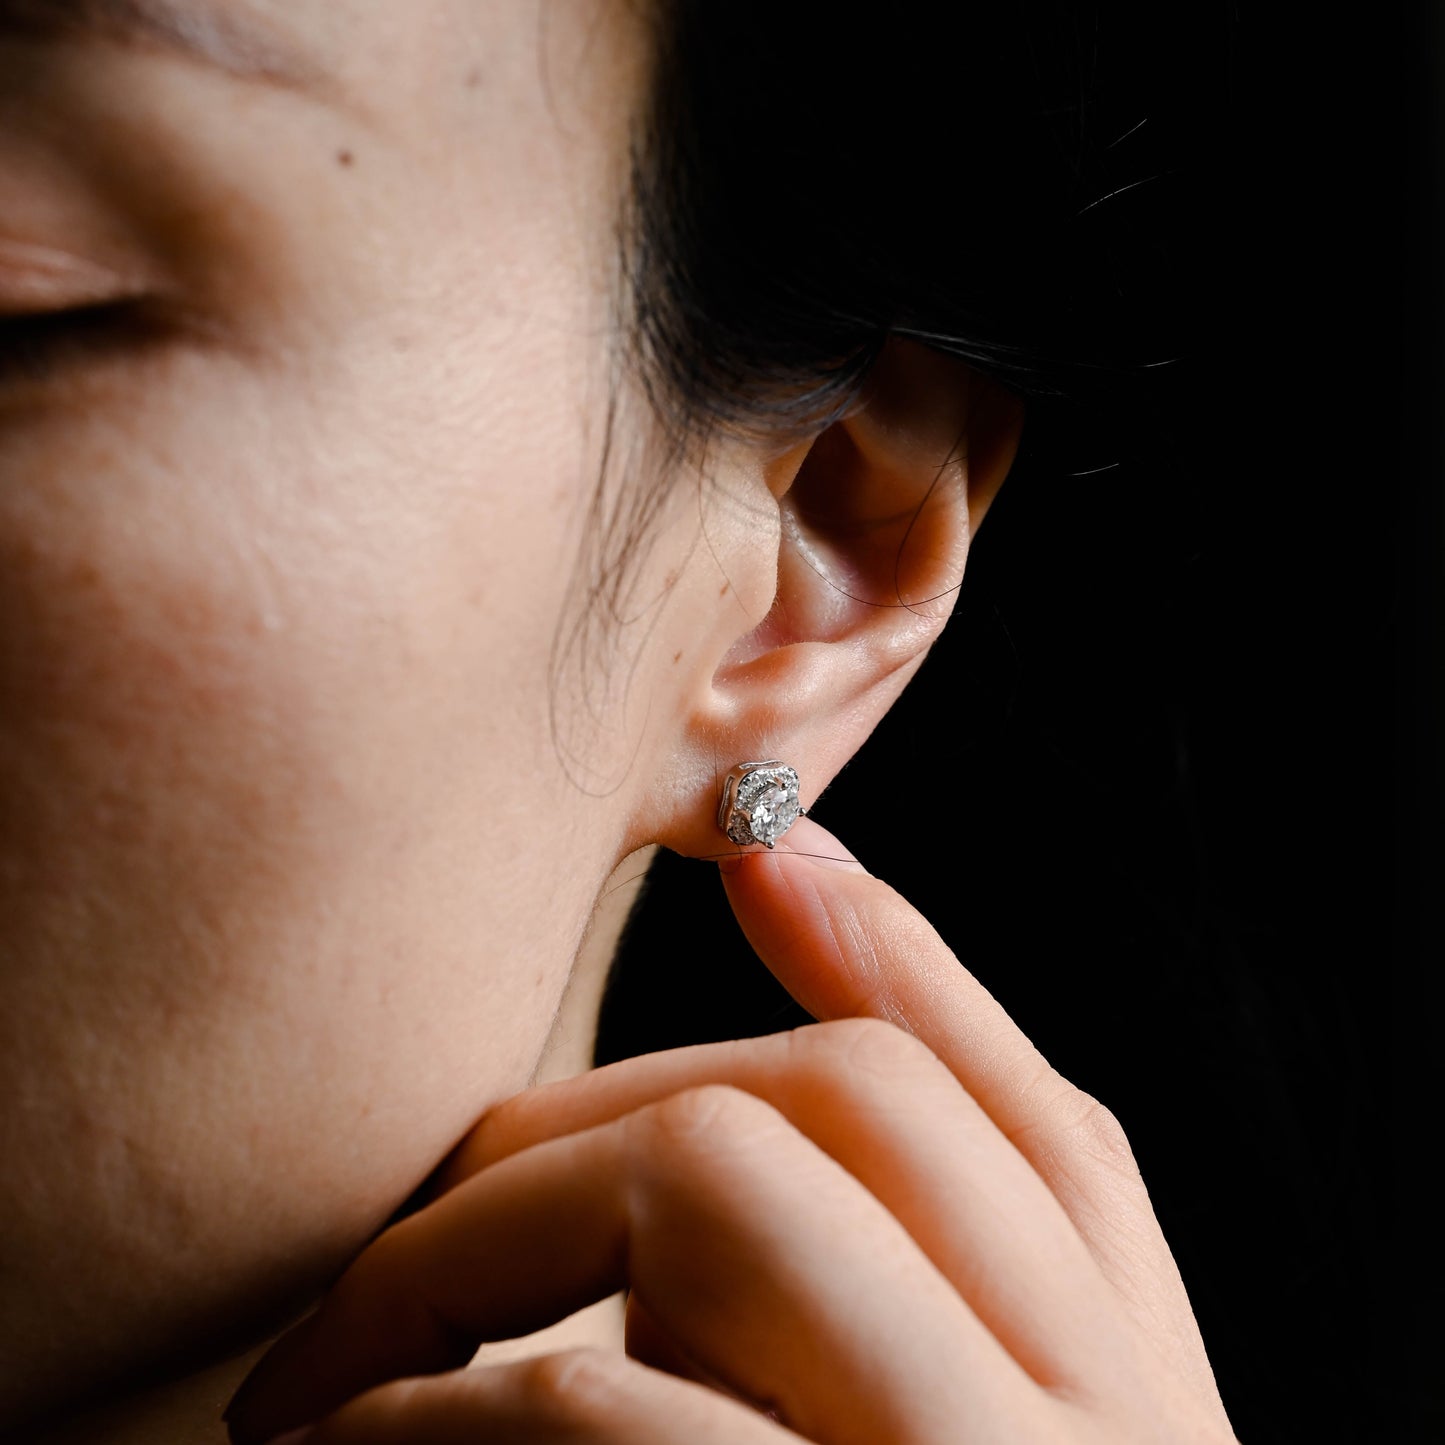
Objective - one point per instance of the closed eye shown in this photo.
(39, 346)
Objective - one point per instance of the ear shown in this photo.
(840, 562)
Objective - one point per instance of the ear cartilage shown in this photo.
(759, 803)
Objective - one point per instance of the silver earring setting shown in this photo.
(759, 803)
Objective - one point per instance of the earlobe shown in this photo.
(873, 523)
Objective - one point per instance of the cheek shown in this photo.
(145, 731)
(260, 743)
(199, 688)
(234, 644)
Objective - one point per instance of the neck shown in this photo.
(573, 1037)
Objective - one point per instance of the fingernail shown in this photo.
(810, 840)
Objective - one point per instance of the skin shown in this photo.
(269, 818)
(311, 831)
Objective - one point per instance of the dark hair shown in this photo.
(1076, 199)
(994, 180)
(997, 181)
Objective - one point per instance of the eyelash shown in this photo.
(37, 346)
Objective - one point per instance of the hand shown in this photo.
(897, 1225)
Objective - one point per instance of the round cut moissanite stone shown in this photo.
(760, 803)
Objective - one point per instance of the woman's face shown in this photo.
(292, 870)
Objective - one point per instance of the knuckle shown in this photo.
(711, 1117)
(1082, 1129)
(871, 1047)
(1069, 1125)
(573, 1388)
(1100, 1135)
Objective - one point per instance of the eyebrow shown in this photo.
(197, 31)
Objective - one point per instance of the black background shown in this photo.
(1183, 739)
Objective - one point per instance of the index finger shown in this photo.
(845, 944)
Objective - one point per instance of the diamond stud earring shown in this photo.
(759, 803)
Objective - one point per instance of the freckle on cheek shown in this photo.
(345, 158)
